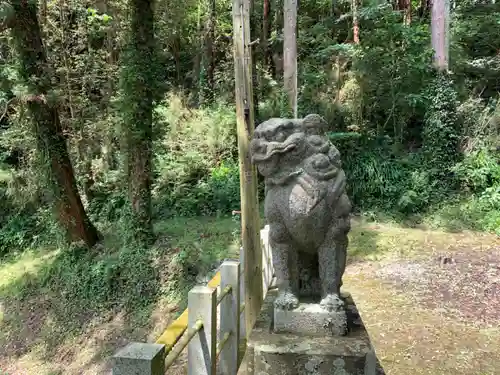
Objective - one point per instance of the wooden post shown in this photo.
(250, 221)
(229, 319)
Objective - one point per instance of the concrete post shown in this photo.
(140, 359)
(243, 330)
(267, 265)
(202, 305)
(230, 319)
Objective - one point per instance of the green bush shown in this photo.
(479, 212)
(478, 171)
(217, 193)
(103, 280)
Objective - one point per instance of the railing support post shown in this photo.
(202, 305)
(140, 359)
(230, 319)
(243, 329)
(267, 261)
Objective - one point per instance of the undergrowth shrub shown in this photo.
(441, 133)
(103, 280)
(197, 172)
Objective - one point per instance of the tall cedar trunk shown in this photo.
(47, 126)
(355, 22)
(290, 53)
(138, 87)
(209, 61)
(107, 146)
(439, 33)
(198, 58)
(277, 56)
(266, 35)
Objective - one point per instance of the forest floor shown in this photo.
(425, 315)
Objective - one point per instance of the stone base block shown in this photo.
(310, 318)
(279, 353)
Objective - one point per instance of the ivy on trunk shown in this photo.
(51, 142)
(138, 84)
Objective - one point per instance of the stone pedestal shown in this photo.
(310, 319)
(307, 353)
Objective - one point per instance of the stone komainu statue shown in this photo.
(306, 205)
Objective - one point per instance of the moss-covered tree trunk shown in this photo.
(51, 142)
(138, 84)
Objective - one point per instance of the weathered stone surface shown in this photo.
(306, 207)
(271, 353)
(311, 318)
(140, 359)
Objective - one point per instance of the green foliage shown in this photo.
(480, 212)
(407, 137)
(105, 280)
(478, 171)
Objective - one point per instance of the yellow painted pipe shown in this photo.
(174, 331)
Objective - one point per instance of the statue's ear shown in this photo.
(314, 124)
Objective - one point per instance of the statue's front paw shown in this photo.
(332, 302)
(286, 301)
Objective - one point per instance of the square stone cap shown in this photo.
(138, 350)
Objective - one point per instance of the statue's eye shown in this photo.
(280, 137)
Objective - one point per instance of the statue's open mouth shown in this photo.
(272, 148)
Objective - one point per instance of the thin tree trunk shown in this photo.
(290, 53)
(107, 146)
(439, 33)
(198, 59)
(355, 23)
(51, 142)
(405, 7)
(277, 54)
(425, 6)
(209, 61)
(138, 88)
(266, 34)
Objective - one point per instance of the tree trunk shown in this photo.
(208, 60)
(139, 83)
(425, 6)
(266, 35)
(290, 53)
(198, 59)
(277, 52)
(355, 23)
(51, 142)
(439, 33)
(405, 7)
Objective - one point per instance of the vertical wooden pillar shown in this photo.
(250, 221)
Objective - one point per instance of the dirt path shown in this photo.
(430, 300)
